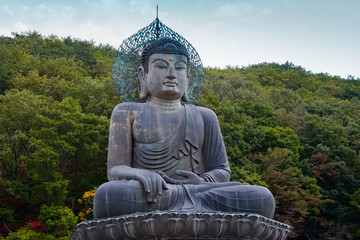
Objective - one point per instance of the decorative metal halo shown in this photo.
(127, 62)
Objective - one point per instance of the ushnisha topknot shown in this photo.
(162, 45)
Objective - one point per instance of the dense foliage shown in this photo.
(296, 132)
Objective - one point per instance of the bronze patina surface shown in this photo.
(170, 156)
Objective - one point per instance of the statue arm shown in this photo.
(217, 175)
(120, 153)
(120, 142)
(215, 161)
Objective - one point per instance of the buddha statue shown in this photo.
(167, 155)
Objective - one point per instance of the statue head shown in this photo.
(164, 70)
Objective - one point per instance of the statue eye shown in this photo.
(161, 65)
(180, 66)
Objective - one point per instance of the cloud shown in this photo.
(242, 10)
(224, 32)
(139, 7)
(144, 7)
(6, 10)
(105, 21)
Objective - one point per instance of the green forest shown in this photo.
(284, 127)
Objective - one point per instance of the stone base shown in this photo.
(182, 225)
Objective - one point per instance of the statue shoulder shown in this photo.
(126, 109)
(128, 106)
(207, 114)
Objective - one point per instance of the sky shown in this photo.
(319, 35)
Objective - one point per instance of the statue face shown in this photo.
(168, 76)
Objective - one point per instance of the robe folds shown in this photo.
(197, 146)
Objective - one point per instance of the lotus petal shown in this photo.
(93, 233)
(131, 229)
(175, 226)
(219, 227)
(151, 227)
(242, 227)
(113, 231)
(197, 227)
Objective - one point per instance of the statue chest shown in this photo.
(155, 126)
(167, 141)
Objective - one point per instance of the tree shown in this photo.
(297, 197)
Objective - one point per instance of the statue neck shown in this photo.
(169, 105)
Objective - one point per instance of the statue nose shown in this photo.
(171, 73)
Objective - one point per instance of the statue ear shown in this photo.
(185, 96)
(142, 75)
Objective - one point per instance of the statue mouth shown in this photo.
(170, 83)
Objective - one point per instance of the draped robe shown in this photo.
(195, 146)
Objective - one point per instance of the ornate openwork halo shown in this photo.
(127, 61)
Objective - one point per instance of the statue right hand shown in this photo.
(152, 182)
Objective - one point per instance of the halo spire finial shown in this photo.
(157, 28)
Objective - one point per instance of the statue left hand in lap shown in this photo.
(166, 155)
